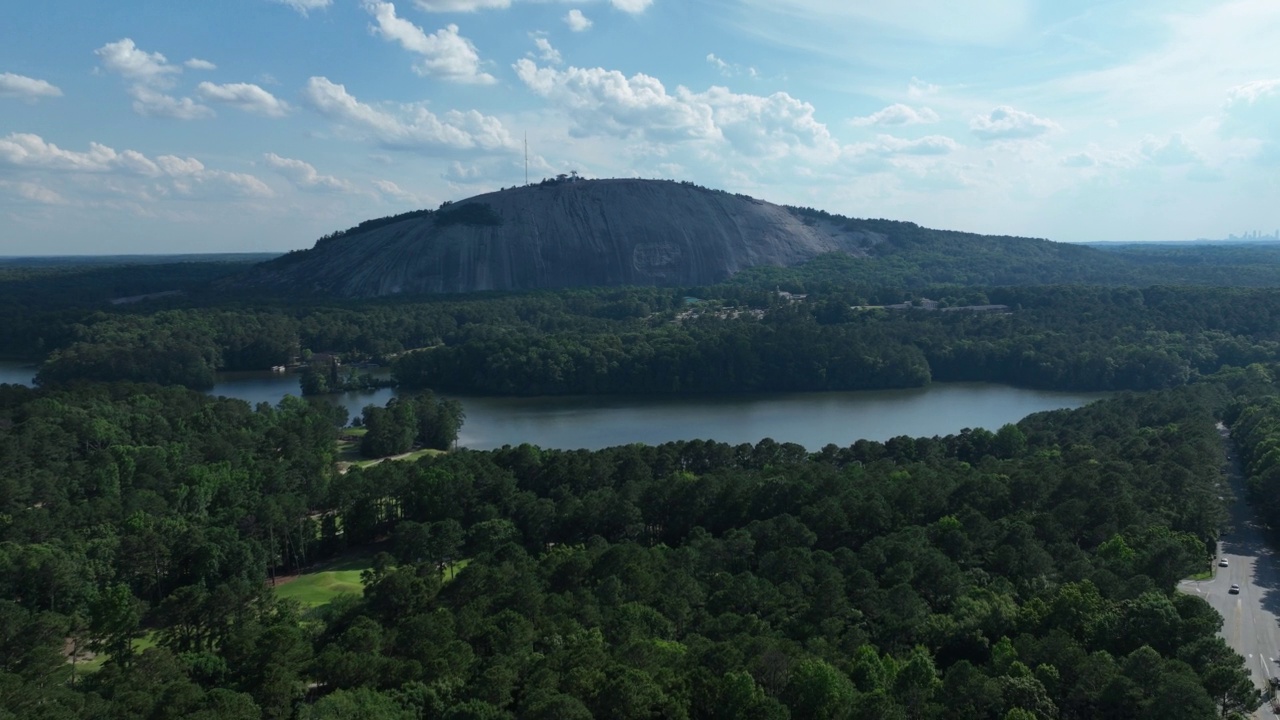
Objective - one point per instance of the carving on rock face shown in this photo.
(659, 259)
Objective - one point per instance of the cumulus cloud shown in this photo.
(305, 6)
(21, 86)
(31, 151)
(124, 58)
(627, 6)
(413, 128)
(898, 114)
(460, 5)
(1252, 109)
(151, 74)
(1174, 151)
(632, 6)
(392, 191)
(183, 175)
(245, 96)
(546, 52)
(445, 53)
(198, 64)
(149, 102)
(766, 125)
(606, 102)
(305, 176)
(919, 88)
(576, 21)
(1006, 123)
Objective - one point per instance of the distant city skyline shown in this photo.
(261, 125)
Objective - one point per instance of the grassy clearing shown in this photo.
(95, 663)
(321, 587)
(451, 573)
(349, 451)
(318, 588)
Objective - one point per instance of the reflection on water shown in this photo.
(16, 373)
(809, 419)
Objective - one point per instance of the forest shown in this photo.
(149, 533)
(968, 576)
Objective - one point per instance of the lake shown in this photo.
(809, 419)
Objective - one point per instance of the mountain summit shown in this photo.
(564, 233)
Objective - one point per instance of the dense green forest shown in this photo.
(147, 531)
(1027, 572)
(656, 341)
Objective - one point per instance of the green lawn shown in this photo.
(95, 663)
(321, 587)
(349, 450)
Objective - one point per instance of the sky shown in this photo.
(153, 126)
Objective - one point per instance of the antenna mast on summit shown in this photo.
(526, 157)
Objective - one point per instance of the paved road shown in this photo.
(1252, 616)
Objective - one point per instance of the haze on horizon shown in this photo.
(259, 125)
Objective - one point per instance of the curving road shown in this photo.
(1252, 616)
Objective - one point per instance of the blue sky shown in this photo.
(258, 125)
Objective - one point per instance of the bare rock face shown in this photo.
(563, 234)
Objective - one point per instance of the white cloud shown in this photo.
(928, 145)
(1006, 123)
(29, 150)
(198, 64)
(21, 86)
(459, 173)
(189, 174)
(305, 176)
(38, 193)
(305, 6)
(151, 74)
(124, 58)
(415, 128)
(876, 154)
(606, 102)
(1174, 151)
(627, 6)
(898, 114)
(1252, 110)
(460, 5)
(729, 69)
(245, 96)
(546, 52)
(576, 21)
(766, 125)
(153, 103)
(392, 191)
(632, 6)
(918, 88)
(185, 175)
(445, 53)
(1080, 160)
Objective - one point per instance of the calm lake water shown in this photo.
(809, 419)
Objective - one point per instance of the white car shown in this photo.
(1222, 562)
(1235, 589)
